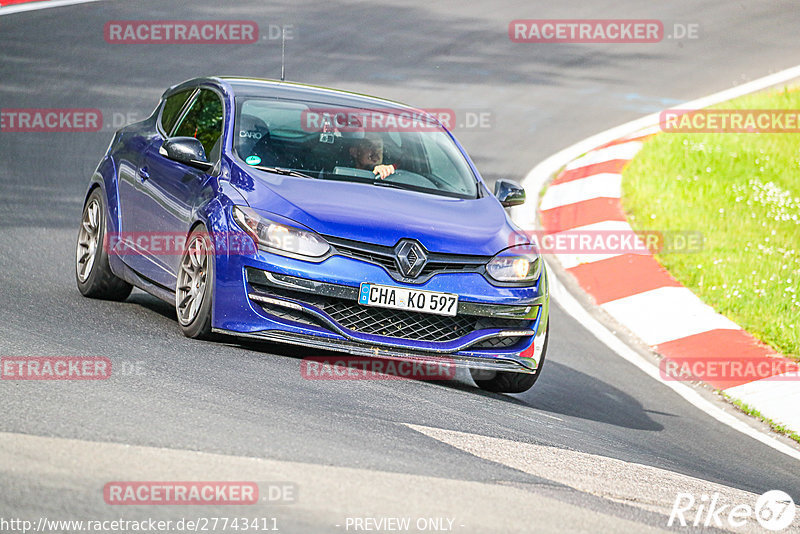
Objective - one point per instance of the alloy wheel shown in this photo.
(192, 280)
(88, 240)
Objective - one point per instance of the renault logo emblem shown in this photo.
(410, 258)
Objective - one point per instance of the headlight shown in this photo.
(277, 237)
(520, 263)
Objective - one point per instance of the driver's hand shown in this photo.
(382, 171)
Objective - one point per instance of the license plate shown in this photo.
(402, 298)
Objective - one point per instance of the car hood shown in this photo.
(382, 215)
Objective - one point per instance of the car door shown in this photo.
(133, 189)
(172, 190)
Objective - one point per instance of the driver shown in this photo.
(367, 154)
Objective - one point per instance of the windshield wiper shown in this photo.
(418, 189)
(282, 171)
(394, 185)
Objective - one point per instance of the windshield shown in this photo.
(380, 147)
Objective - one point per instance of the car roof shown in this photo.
(262, 87)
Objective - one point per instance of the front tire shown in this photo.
(92, 272)
(507, 381)
(195, 287)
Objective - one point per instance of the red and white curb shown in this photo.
(633, 288)
(636, 291)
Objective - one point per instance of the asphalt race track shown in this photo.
(190, 410)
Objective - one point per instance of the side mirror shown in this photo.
(509, 193)
(186, 150)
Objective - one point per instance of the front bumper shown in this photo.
(498, 363)
(275, 301)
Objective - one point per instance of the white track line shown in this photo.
(595, 186)
(639, 485)
(535, 181)
(576, 310)
(680, 314)
(35, 6)
(568, 261)
(620, 151)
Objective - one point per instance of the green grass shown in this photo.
(742, 191)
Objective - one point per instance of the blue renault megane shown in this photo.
(321, 218)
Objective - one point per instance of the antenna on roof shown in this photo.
(283, 53)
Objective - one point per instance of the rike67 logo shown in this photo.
(774, 510)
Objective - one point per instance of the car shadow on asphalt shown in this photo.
(145, 300)
(561, 390)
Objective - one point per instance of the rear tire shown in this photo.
(92, 272)
(195, 287)
(510, 382)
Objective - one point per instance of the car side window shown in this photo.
(203, 121)
(172, 108)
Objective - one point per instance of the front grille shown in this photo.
(385, 257)
(385, 261)
(399, 323)
(395, 323)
